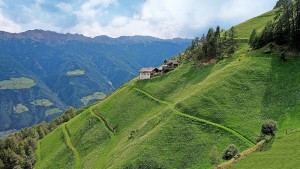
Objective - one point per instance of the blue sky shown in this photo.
(160, 18)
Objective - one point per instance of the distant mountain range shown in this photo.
(43, 72)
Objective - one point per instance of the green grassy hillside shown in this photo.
(284, 153)
(175, 120)
(244, 29)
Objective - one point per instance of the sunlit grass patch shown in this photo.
(42, 102)
(17, 83)
(76, 72)
(244, 29)
(95, 96)
(20, 108)
(53, 111)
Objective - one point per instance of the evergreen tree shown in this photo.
(285, 29)
(213, 45)
(279, 4)
(296, 33)
(218, 32)
(267, 35)
(218, 41)
(253, 39)
(232, 44)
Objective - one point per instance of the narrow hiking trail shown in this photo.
(172, 107)
(111, 130)
(101, 118)
(207, 81)
(71, 147)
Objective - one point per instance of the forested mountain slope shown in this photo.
(43, 73)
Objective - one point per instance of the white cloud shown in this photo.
(95, 3)
(243, 9)
(8, 25)
(165, 19)
(88, 17)
(2, 4)
(65, 7)
(173, 18)
(91, 10)
(119, 21)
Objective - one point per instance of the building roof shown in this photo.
(175, 62)
(162, 67)
(148, 69)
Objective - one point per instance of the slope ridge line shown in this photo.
(71, 147)
(171, 106)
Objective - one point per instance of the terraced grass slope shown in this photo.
(175, 120)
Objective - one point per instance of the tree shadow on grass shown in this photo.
(281, 98)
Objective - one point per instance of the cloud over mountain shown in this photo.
(165, 19)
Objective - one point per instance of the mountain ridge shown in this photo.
(51, 36)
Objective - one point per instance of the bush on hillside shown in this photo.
(269, 127)
(230, 152)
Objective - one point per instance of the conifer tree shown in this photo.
(253, 39)
(232, 34)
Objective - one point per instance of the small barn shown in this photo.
(147, 73)
(172, 64)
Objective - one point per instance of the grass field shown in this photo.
(20, 108)
(155, 125)
(244, 29)
(52, 111)
(17, 83)
(95, 96)
(42, 102)
(75, 73)
(284, 153)
(234, 93)
(57, 155)
(176, 119)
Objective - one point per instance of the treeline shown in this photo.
(216, 44)
(284, 29)
(17, 151)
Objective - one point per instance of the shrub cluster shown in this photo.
(213, 45)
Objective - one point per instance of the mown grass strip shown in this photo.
(71, 147)
(249, 143)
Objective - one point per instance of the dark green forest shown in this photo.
(217, 43)
(17, 151)
(283, 30)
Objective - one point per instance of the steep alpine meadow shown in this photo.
(187, 117)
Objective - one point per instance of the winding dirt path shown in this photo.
(172, 107)
(71, 147)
